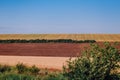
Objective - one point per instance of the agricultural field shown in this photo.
(51, 49)
(51, 56)
(97, 37)
(42, 49)
(22, 66)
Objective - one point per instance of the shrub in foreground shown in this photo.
(21, 68)
(34, 70)
(13, 76)
(54, 77)
(97, 63)
(23, 72)
(5, 68)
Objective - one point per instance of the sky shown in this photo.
(59, 16)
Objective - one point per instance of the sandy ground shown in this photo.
(42, 62)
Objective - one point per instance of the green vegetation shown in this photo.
(14, 76)
(46, 41)
(23, 72)
(34, 70)
(21, 68)
(96, 63)
(5, 68)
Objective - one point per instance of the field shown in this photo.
(51, 52)
(42, 49)
(47, 57)
(97, 37)
(55, 63)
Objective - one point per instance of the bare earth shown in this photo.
(44, 55)
(42, 49)
(42, 62)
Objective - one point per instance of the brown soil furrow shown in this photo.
(42, 49)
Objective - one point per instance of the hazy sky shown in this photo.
(59, 16)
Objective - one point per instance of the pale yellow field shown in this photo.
(97, 37)
(42, 62)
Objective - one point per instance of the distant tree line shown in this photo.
(46, 41)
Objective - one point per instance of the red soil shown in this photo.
(43, 49)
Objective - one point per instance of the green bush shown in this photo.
(21, 68)
(34, 70)
(5, 68)
(96, 63)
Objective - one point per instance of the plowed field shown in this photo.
(42, 49)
